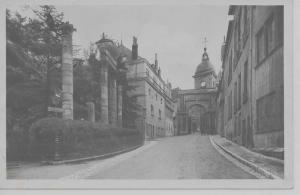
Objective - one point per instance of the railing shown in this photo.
(143, 75)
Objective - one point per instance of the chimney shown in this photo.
(134, 49)
(156, 62)
(159, 72)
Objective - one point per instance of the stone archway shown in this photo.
(195, 113)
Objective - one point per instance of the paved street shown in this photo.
(181, 157)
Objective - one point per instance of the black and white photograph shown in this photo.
(147, 95)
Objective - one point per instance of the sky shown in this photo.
(175, 32)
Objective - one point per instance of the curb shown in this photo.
(92, 157)
(251, 165)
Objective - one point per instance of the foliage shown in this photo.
(87, 85)
(130, 105)
(79, 138)
(33, 52)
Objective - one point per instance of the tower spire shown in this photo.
(205, 41)
(205, 55)
(121, 39)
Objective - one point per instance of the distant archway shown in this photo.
(196, 112)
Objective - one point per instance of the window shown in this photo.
(244, 130)
(235, 130)
(237, 40)
(280, 25)
(239, 32)
(159, 114)
(161, 100)
(147, 72)
(235, 97)
(230, 69)
(239, 125)
(236, 46)
(230, 106)
(269, 113)
(152, 110)
(261, 46)
(149, 91)
(156, 96)
(245, 93)
(246, 26)
(239, 91)
(270, 34)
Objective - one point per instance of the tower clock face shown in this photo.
(203, 84)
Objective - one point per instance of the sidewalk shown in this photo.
(67, 170)
(269, 166)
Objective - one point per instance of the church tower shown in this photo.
(205, 75)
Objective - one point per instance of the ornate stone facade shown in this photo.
(196, 108)
(154, 95)
(108, 54)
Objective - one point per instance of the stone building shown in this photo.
(196, 108)
(250, 96)
(108, 54)
(153, 94)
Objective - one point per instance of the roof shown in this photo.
(231, 9)
(205, 67)
(197, 91)
(115, 50)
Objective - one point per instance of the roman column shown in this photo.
(104, 93)
(119, 107)
(91, 111)
(113, 97)
(67, 72)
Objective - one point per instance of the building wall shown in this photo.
(268, 92)
(169, 117)
(237, 108)
(228, 90)
(153, 119)
(253, 106)
(206, 102)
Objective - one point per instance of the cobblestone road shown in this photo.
(182, 157)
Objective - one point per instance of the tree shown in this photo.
(33, 57)
(130, 105)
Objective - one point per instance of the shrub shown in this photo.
(16, 142)
(78, 138)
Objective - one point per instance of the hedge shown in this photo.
(78, 139)
(16, 145)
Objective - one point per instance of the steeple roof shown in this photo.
(205, 67)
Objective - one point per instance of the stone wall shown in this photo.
(258, 120)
